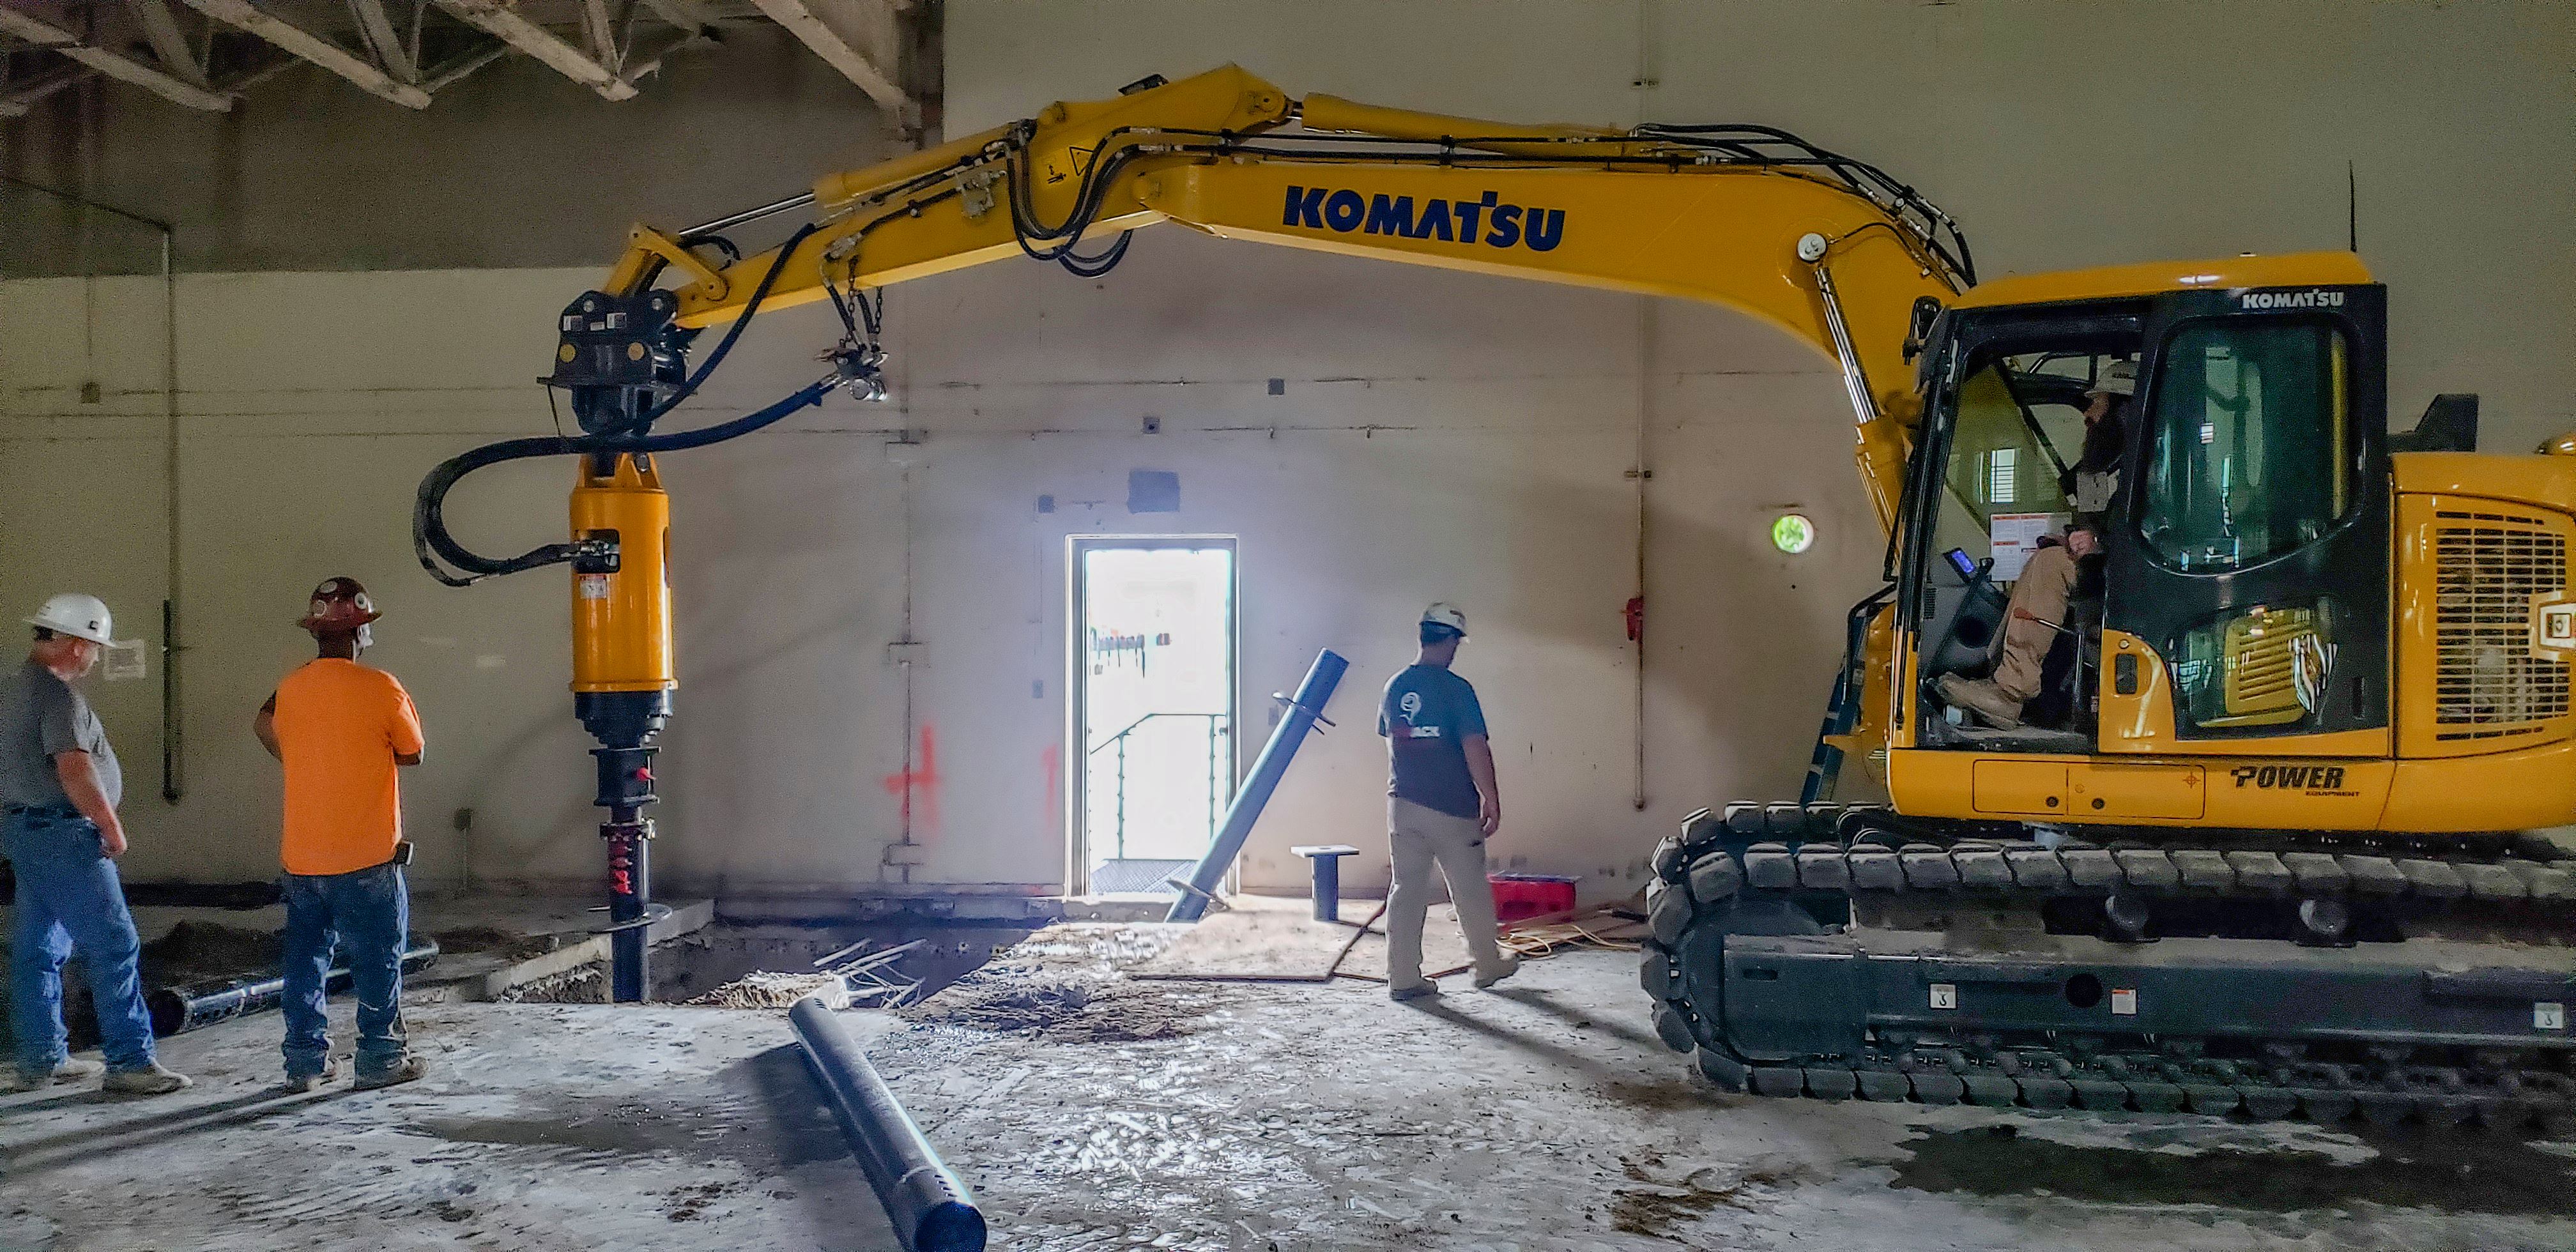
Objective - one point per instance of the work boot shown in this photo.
(408, 1069)
(151, 1080)
(1417, 991)
(301, 1083)
(1981, 697)
(69, 1070)
(1511, 965)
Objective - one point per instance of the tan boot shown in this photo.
(405, 1070)
(150, 1081)
(302, 1083)
(71, 1070)
(1980, 696)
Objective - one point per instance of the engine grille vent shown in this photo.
(2487, 684)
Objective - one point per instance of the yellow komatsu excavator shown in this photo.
(2250, 837)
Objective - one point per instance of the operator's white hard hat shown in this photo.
(2119, 378)
(77, 615)
(1443, 613)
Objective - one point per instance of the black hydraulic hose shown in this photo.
(431, 541)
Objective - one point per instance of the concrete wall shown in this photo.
(1436, 436)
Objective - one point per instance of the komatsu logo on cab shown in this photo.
(1486, 219)
(2316, 298)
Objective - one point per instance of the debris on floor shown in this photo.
(1069, 983)
(766, 990)
(1209, 1117)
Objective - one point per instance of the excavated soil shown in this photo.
(197, 951)
(765, 990)
(509, 945)
(1063, 985)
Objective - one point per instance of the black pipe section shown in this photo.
(178, 1010)
(929, 1205)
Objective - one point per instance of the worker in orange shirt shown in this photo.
(342, 729)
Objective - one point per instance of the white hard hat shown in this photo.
(1443, 613)
(77, 615)
(2119, 378)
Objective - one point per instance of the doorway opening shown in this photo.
(1153, 707)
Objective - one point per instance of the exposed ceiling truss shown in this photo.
(202, 54)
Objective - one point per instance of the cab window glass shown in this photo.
(2249, 451)
(1999, 463)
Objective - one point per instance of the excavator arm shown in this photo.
(1825, 248)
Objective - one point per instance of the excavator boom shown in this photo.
(1710, 214)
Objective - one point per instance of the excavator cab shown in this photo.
(2239, 601)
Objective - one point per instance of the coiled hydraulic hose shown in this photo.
(429, 535)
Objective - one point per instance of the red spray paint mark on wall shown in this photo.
(918, 789)
(1052, 761)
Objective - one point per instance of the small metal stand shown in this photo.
(1327, 858)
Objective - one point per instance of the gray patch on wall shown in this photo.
(1153, 491)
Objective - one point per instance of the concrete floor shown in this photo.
(1093, 1111)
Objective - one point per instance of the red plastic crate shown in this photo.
(1517, 896)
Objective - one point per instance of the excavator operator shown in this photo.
(2094, 478)
(2032, 622)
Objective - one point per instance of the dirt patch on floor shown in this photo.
(196, 951)
(2460, 1173)
(1049, 1005)
(582, 984)
(511, 946)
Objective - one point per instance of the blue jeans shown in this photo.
(69, 898)
(368, 913)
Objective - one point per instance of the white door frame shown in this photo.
(1077, 772)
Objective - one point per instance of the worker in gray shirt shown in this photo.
(59, 787)
(1442, 804)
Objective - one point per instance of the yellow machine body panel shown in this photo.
(2484, 629)
(621, 618)
(2256, 792)
(2484, 729)
(2142, 721)
(2110, 282)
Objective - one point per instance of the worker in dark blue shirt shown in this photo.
(1442, 805)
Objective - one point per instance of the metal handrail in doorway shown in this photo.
(1217, 730)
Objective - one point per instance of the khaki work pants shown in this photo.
(1420, 838)
(2046, 583)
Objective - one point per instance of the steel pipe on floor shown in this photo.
(928, 1203)
(177, 1010)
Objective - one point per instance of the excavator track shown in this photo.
(1847, 953)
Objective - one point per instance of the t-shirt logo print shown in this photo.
(1411, 703)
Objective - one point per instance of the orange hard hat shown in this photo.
(338, 605)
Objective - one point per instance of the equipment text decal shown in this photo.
(2319, 298)
(1452, 221)
(2315, 780)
